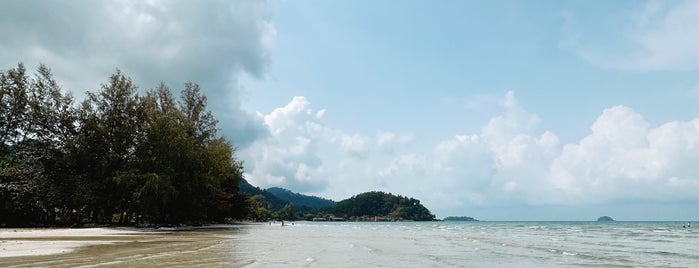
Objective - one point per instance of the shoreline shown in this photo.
(31, 241)
(24, 242)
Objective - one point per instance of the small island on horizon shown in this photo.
(459, 218)
(605, 219)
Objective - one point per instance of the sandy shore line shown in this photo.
(47, 241)
(15, 242)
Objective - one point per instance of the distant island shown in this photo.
(459, 218)
(605, 218)
(380, 206)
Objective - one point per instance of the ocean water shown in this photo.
(394, 244)
(470, 244)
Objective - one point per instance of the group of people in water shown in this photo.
(688, 225)
(270, 223)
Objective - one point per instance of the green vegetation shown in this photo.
(274, 202)
(459, 218)
(279, 203)
(117, 158)
(605, 218)
(300, 199)
(371, 206)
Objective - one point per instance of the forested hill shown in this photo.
(300, 199)
(381, 206)
(279, 197)
(249, 190)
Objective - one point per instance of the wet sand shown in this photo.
(119, 247)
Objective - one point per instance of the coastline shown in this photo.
(17, 242)
(26, 242)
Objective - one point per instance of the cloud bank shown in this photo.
(212, 43)
(622, 159)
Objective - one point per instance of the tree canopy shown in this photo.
(118, 157)
(384, 206)
(300, 199)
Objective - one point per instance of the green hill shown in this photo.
(381, 206)
(248, 189)
(300, 199)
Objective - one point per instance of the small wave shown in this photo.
(673, 254)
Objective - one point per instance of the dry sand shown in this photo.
(205, 246)
(35, 242)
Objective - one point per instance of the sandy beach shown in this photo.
(16, 242)
(120, 246)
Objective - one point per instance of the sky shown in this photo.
(499, 110)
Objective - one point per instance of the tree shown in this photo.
(13, 104)
(117, 157)
(288, 212)
(371, 205)
(106, 146)
(37, 127)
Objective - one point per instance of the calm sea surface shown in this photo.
(468, 244)
(406, 244)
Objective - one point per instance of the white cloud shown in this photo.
(293, 115)
(289, 156)
(673, 41)
(655, 37)
(624, 159)
(387, 141)
(320, 114)
(353, 145)
(509, 162)
(212, 43)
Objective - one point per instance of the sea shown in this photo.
(396, 244)
(472, 244)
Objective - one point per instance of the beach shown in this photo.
(359, 244)
(16, 242)
(122, 246)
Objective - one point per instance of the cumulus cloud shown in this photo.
(654, 37)
(212, 43)
(505, 161)
(623, 158)
(293, 155)
(510, 161)
(289, 155)
(304, 154)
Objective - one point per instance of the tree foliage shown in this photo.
(117, 157)
(380, 205)
(300, 199)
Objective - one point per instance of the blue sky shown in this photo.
(501, 110)
(442, 56)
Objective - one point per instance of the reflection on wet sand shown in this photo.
(192, 248)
